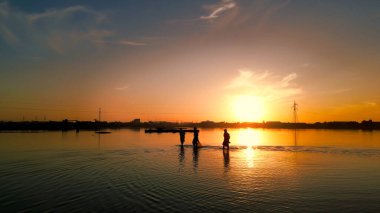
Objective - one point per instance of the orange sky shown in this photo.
(205, 60)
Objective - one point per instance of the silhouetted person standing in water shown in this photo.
(195, 139)
(181, 136)
(226, 141)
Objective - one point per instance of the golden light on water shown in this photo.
(249, 138)
(248, 108)
(249, 156)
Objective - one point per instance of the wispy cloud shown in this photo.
(64, 13)
(220, 8)
(8, 35)
(305, 65)
(255, 14)
(340, 91)
(365, 106)
(125, 87)
(336, 91)
(132, 43)
(370, 103)
(6, 18)
(122, 42)
(240, 18)
(265, 84)
(56, 30)
(285, 81)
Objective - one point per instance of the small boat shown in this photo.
(102, 132)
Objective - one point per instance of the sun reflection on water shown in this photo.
(249, 156)
(249, 139)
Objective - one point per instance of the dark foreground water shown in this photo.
(130, 171)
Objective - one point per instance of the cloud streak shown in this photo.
(122, 42)
(65, 13)
(368, 107)
(132, 43)
(219, 9)
(265, 84)
(6, 19)
(122, 88)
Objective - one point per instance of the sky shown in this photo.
(183, 61)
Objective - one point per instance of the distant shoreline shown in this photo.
(91, 125)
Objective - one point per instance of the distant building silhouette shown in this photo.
(136, 121)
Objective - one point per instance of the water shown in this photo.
(128, 170)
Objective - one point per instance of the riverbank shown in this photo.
(66, 125)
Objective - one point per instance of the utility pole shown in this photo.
(100, 111)
(295, 109)
(295, 117)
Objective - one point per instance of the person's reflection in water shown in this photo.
(195, 158)
(226, 157)
(181, 157)
(64, 134)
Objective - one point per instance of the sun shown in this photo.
(248, 108)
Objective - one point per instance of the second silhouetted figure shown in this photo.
(226, 141)
(196, 138)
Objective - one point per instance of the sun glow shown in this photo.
(248, 108)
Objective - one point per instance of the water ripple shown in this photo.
(307, 149)
(171, 179)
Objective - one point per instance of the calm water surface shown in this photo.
(128, 170)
